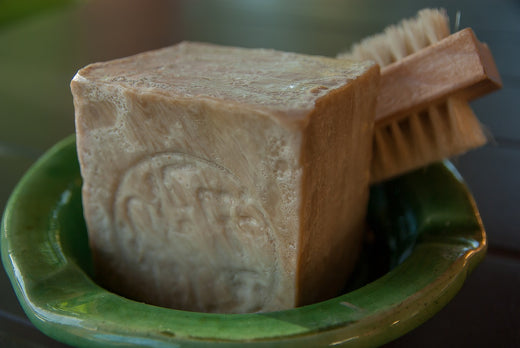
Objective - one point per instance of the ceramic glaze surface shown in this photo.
(427, 237)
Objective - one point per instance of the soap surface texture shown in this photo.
(222, 179)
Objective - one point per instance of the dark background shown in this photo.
(41, 49)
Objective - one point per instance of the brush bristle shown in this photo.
(437, 132)
(425, 137)
(403, 39)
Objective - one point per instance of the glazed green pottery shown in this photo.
(426, 236)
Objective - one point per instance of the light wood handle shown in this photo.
(458, 65)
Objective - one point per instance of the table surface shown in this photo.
(40, 53)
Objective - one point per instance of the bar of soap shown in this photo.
(221, 179)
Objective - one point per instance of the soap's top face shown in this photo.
(289, 83)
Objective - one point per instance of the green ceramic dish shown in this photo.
(427, 237)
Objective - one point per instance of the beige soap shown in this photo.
(223, 179)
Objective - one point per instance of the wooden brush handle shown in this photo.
(458, 65)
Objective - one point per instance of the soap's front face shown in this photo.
(190, 204)
(193, 190)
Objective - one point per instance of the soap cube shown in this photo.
(221, 179)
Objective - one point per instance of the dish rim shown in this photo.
(356, 318)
